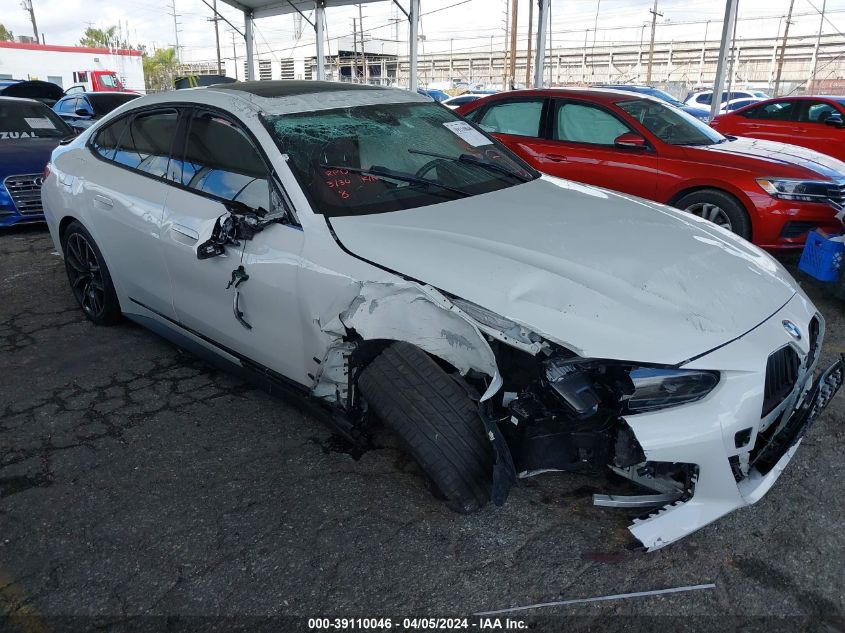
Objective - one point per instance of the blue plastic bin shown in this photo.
(822, 257)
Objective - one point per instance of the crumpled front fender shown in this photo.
(419, 315)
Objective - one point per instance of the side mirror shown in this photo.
(81, 112)
(835, 120)
(630, 140)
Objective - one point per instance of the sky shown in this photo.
(463, 25)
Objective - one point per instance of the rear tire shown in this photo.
(436, 421)
(720, 208)
(90, 281)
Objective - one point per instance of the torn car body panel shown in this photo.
(405, 311)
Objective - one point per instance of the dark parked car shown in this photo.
(44, 91)
(29, 131)
(81, 109)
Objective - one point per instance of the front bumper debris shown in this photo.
(715, 495)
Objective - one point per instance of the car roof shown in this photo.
(290, 88)
(601, 95)
(101, 92)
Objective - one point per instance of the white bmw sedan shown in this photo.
(375, 253)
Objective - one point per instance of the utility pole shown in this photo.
(216, 19)
(175, 27)
(703, 53)
(654, 15)
(783, 48)
(812, 78)
(530, 33)
(235, 54)
(364, 69)
(593, 47)
(27, 6)
(512, 72)
(354, 72)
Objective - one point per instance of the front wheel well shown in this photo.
(685, 192)
(366, 351)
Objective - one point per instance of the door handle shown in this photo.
(556, 158)
(190, 234)
(103, 201)
(236, 309)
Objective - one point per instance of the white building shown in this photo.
(57, 64)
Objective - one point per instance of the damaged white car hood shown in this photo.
(606, 275)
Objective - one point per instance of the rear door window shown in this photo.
(517, 117)
(145, 145)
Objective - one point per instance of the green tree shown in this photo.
(160, 69)
(5, 34)
(100, 38)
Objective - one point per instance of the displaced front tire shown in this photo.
(435, 419)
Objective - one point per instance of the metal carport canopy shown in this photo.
(255, 9)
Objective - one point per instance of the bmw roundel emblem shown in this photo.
(792, 330)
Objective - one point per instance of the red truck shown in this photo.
(95, 81)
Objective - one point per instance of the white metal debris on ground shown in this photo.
(618, 596)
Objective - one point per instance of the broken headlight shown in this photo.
(658, 388)
(573, 385)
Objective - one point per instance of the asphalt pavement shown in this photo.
(138, 481)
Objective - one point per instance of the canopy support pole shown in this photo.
(249, 39)
(724, 52)
(413, 43)
(540, 55)
(320, 29)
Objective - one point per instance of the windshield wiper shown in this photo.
(382, 172)
(472, 160)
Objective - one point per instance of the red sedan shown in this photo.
(770, 193)
(814, 122)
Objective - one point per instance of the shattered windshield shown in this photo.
(671, 125)
(388, 157)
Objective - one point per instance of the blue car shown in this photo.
(699, 113)
(29, 131)
(437, 95)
